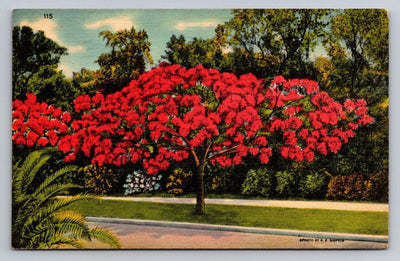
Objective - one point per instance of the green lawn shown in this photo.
(375, 223)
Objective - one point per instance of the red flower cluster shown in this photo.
(37, 124)
(171, 107)
(324, 134)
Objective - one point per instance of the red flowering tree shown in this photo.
(171, 113)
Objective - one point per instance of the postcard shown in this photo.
(200, 129)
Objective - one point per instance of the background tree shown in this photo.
(189, 54)
(358, 46)
(275, 41)
(357, 67)
(35, 68)
(130, 53)
(86, 81)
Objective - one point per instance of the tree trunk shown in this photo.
(200, 203)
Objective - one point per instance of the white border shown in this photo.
(393, 253)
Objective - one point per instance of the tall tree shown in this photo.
(358, 45)
(275, 41)
(357, 67)
(197, 51)
(35, 68)
(130, 53)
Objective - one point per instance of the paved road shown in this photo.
(268, 203)
(154, 237)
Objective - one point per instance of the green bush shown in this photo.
(178, 181)
(285, 184)
(377, 187)
(224, 180)
(314, 185)
(98, 180)
(258, 183)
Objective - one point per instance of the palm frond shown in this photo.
(24, 175)
(51, 207)
(51, 191)
(37, 217)
(62, 241)
(72, 222)
(50, 179)
(105, 236)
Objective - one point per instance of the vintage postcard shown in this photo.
(200, 128)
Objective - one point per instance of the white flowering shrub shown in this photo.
(140, 182)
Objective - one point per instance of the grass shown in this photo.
(358, 222)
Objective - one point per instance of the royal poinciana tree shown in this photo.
(170, 114)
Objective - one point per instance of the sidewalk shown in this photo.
(349, 206)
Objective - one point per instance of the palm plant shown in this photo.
(38, 219)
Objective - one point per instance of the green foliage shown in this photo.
(85, 81)
(130, 52)
(285, 183)
(269, 42)
(189, 54)
(258, 183)
(358, 46)
(314, 185)
(35, 68)
(99, 180)
(377, 187)
(178, 181)
(31, 51)
(38, 219)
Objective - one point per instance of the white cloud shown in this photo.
(66, 70)
(184, 25)
(76, 49)
(49, 27)
(116, 24)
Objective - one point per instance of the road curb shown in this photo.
(255, 230)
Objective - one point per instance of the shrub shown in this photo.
(285, 184)
(98, 180)
(178, 181)
(377, 187)
(349, 187)
(314, 185)
(258, 183)
(140, 182)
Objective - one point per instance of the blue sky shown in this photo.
(78, 29)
